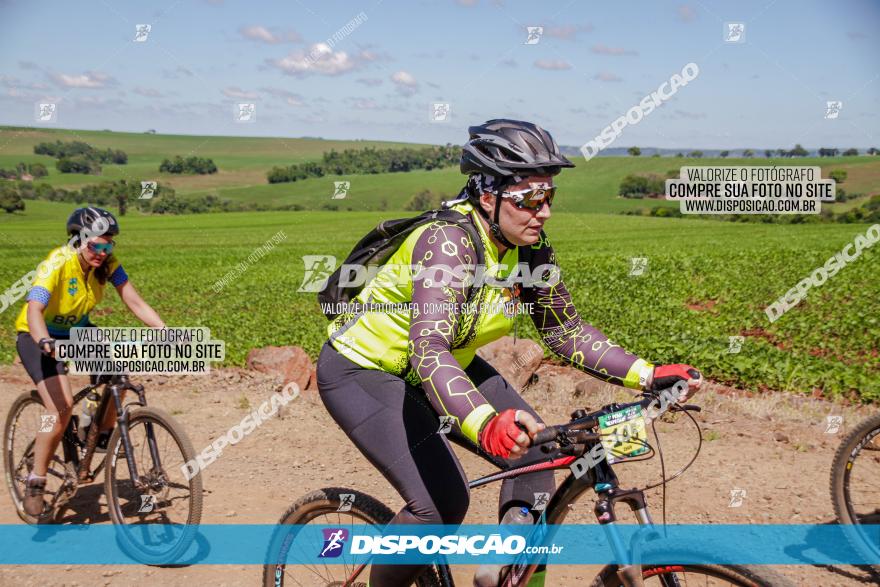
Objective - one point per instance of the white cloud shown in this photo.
(179, 71)
(264, 35)
(148, 92)
(686, 13)
(239, 94)
(566, 32)
(320, 59)
(552, 64)
(601, 49)
(290, 98)
(89, 80)
(364, 104)
(405, 82)
(607, 76)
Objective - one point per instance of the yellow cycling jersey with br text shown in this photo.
(68, 294)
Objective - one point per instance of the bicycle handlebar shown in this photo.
(584, 421)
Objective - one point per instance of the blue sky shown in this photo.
(593, 62)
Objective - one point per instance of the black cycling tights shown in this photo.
(394, 426)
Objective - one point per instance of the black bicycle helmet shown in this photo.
(97, 221)
(503, 148)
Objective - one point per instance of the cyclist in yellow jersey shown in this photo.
(67, 286)
(386, 376)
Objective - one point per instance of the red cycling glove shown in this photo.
(500, 433)
(666, 376)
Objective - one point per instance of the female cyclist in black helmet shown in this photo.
(386, 376)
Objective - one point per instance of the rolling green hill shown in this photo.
(244, 162)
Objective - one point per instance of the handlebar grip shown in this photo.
(545, 436)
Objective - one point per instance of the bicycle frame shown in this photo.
(116, 386)
(600, 478)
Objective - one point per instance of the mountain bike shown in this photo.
(855, 484)
(143, 480)
(620, 428)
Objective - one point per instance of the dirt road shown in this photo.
(776, 450)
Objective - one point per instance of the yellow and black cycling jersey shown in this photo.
(427, 339)
(69, 296)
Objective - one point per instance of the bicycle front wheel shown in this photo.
(333, 506)
(855, 477)
(714, 575)
(162, 496)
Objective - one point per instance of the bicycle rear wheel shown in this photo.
(25, 418)
(159, 514)
(855, 478)
(322, 507)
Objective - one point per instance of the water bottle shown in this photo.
(90, 406)
(490, 575)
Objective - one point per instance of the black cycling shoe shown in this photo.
(103, 439)
(33, 497)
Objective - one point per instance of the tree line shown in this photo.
(368, 161)
(200, 165)
(796, 151)
(79, 156)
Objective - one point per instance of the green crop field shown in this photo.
(705, 281)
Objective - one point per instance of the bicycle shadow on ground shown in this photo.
(85, 507)
(868, 574)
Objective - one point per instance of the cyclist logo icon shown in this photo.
(832, 109)
(446, 423)
(638, 265)
(737, 496)
(833, 424)
(735, 32)
(735, 344)
(334, 539)
(346, 500)
(47, 422)
(541, 500)
(147, 504)
(318, 269)
(534, 35)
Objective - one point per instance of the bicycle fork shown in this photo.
(122, 420)
(630, 574)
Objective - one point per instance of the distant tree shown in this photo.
(838, 175)
(696, 154)
(768, 153)
(78, 164)
(634, 151)
(748, 153)
(850, 152)
(724, 154)
(10, 199)
(641, 186)
(424, 200)
(655, 155)
(679, 154)
(38, 170)
(873, 151)
(828, 152)
(798, 151)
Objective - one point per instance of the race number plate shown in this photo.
(623, 434)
